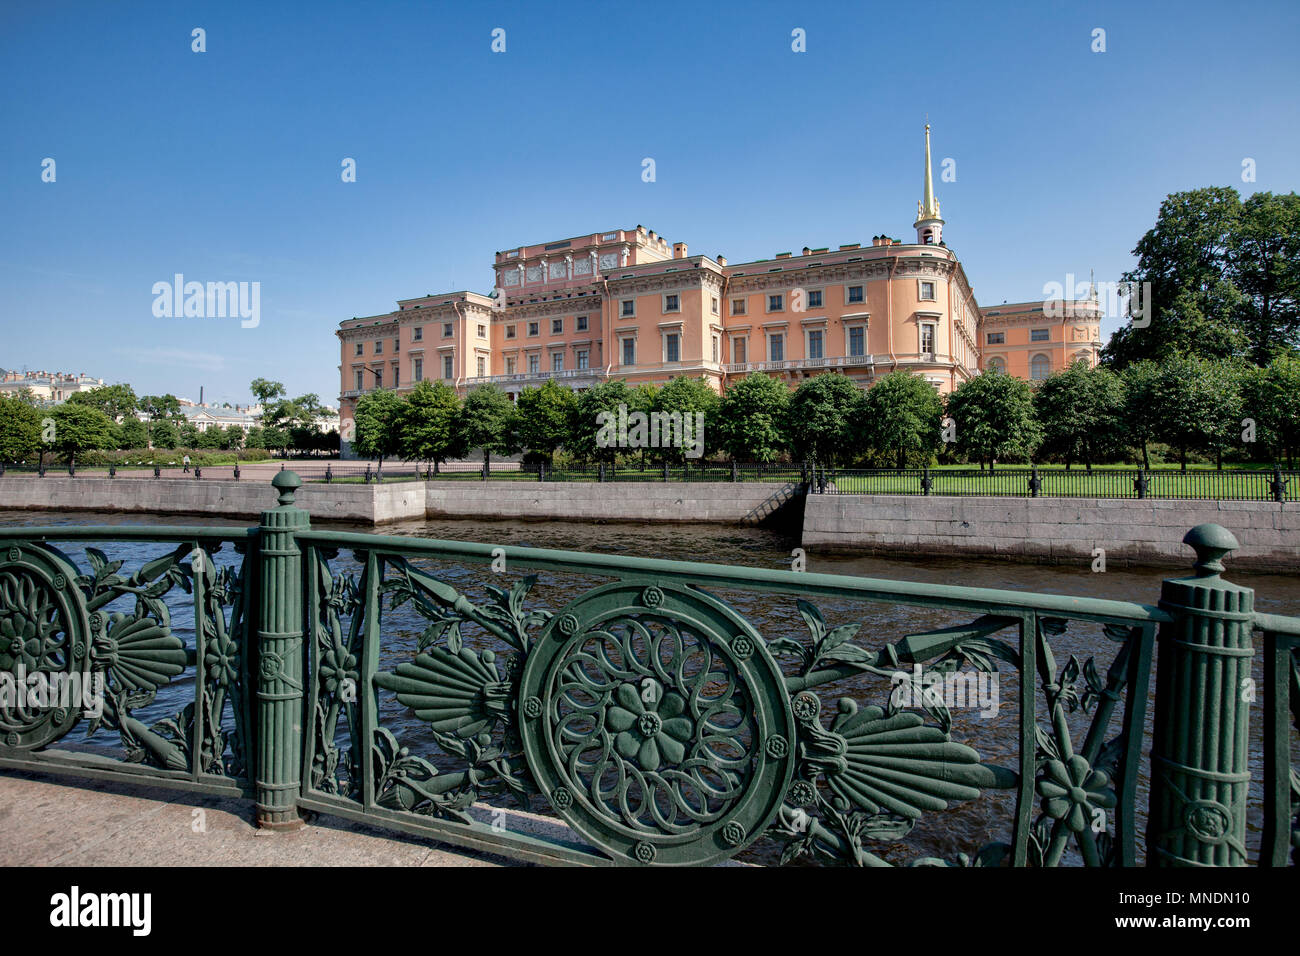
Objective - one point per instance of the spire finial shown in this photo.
(928, 207)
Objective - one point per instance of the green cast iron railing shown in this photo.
(659, 712)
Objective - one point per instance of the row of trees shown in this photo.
(105, 419)
(1078, 415)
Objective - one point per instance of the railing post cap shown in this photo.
(1210, 542)
(286, 482)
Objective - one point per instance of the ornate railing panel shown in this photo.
(665, 712)
(94, 645)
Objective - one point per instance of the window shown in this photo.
(446, 366)
(533, 328)
(397, 345)
(582, 358)
(997, 365)
(672, 348)
(855, 294)
(629, 307)
(396, 381)
(672, 303)
(815, 299)
(557, 326)
(417, 370)
(1039, 368)
(510, 331)
(997, 338)
(361, 380)
(717, 348)
(580, 323)
(775, 303)
(714, 304)
(857, 341)
(379, 347)
(446, 330)
(557, 361)
(379, 377)
(927, 290)
(737, 306)
(417, 334)
(481, 366)
(359, 348)
(629, 351)
(927, 338)
(510, 366)
(738, 350)
(482, 331)
(776, 347)
(1039, 335)
(815, 344)
(534, 364)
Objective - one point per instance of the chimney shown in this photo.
(679, 250)
(806, 250)
(722, 260)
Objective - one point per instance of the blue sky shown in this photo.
(225, 165)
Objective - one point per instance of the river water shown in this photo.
(962, 829)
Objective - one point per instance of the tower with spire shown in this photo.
(928, 225)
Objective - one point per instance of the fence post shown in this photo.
(665, 471)
(1035, 483)
(1199, 768)
(72, 468)
(735, 471)
(926, 481)
(112, 470)
(1140, 483)
(157, 471)
(541, 471)
(279, 663)
(329, 474)
(367, 475)
(237, 471)
(198, 472)
(600, 474)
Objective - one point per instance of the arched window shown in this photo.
(996, 364)
(1039, 368)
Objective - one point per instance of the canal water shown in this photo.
(964, 828)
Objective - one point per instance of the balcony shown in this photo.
(526, 378)
(839, 361)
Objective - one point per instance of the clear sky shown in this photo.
(225, 165)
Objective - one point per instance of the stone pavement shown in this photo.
(69, 821)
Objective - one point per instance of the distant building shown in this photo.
(50, 387)
(627, 304)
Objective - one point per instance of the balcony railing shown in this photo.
(379, 678)
(518, 377)
(839, 361)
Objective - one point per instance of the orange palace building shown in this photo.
(628, 304)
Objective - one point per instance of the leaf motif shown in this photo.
(1046, 744)
(837, 637)
(813, 618)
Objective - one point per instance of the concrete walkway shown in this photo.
(58, 821)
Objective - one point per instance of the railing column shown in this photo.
(279, 664)
(1199, 769)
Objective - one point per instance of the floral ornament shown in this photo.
(651, 731)
(139, 653)
(222, 658)
(463, 694)
(338, 669)
(27, 619)
(1072, 792)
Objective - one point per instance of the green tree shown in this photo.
(78, 428)
(1264, 264)
(210, 438)
(680, 404)
(1196, 405)
(189, 434)
(378, 420)
(275, 439)
(256, 437)
(1193, 303)
(115, 401)
(752, 421)
(1271, 397)
(544, 416)
(164, 434)
(590, 413)
(266, 391)
(1080, 411)
(993, 417)
(132, 433)
(901, 413)
(232, 438)
(160, 407)
(431, 426)
(488, 421)
(821, 412)
(20, 429)
(1140, 416)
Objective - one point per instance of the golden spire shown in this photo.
(928, 207)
